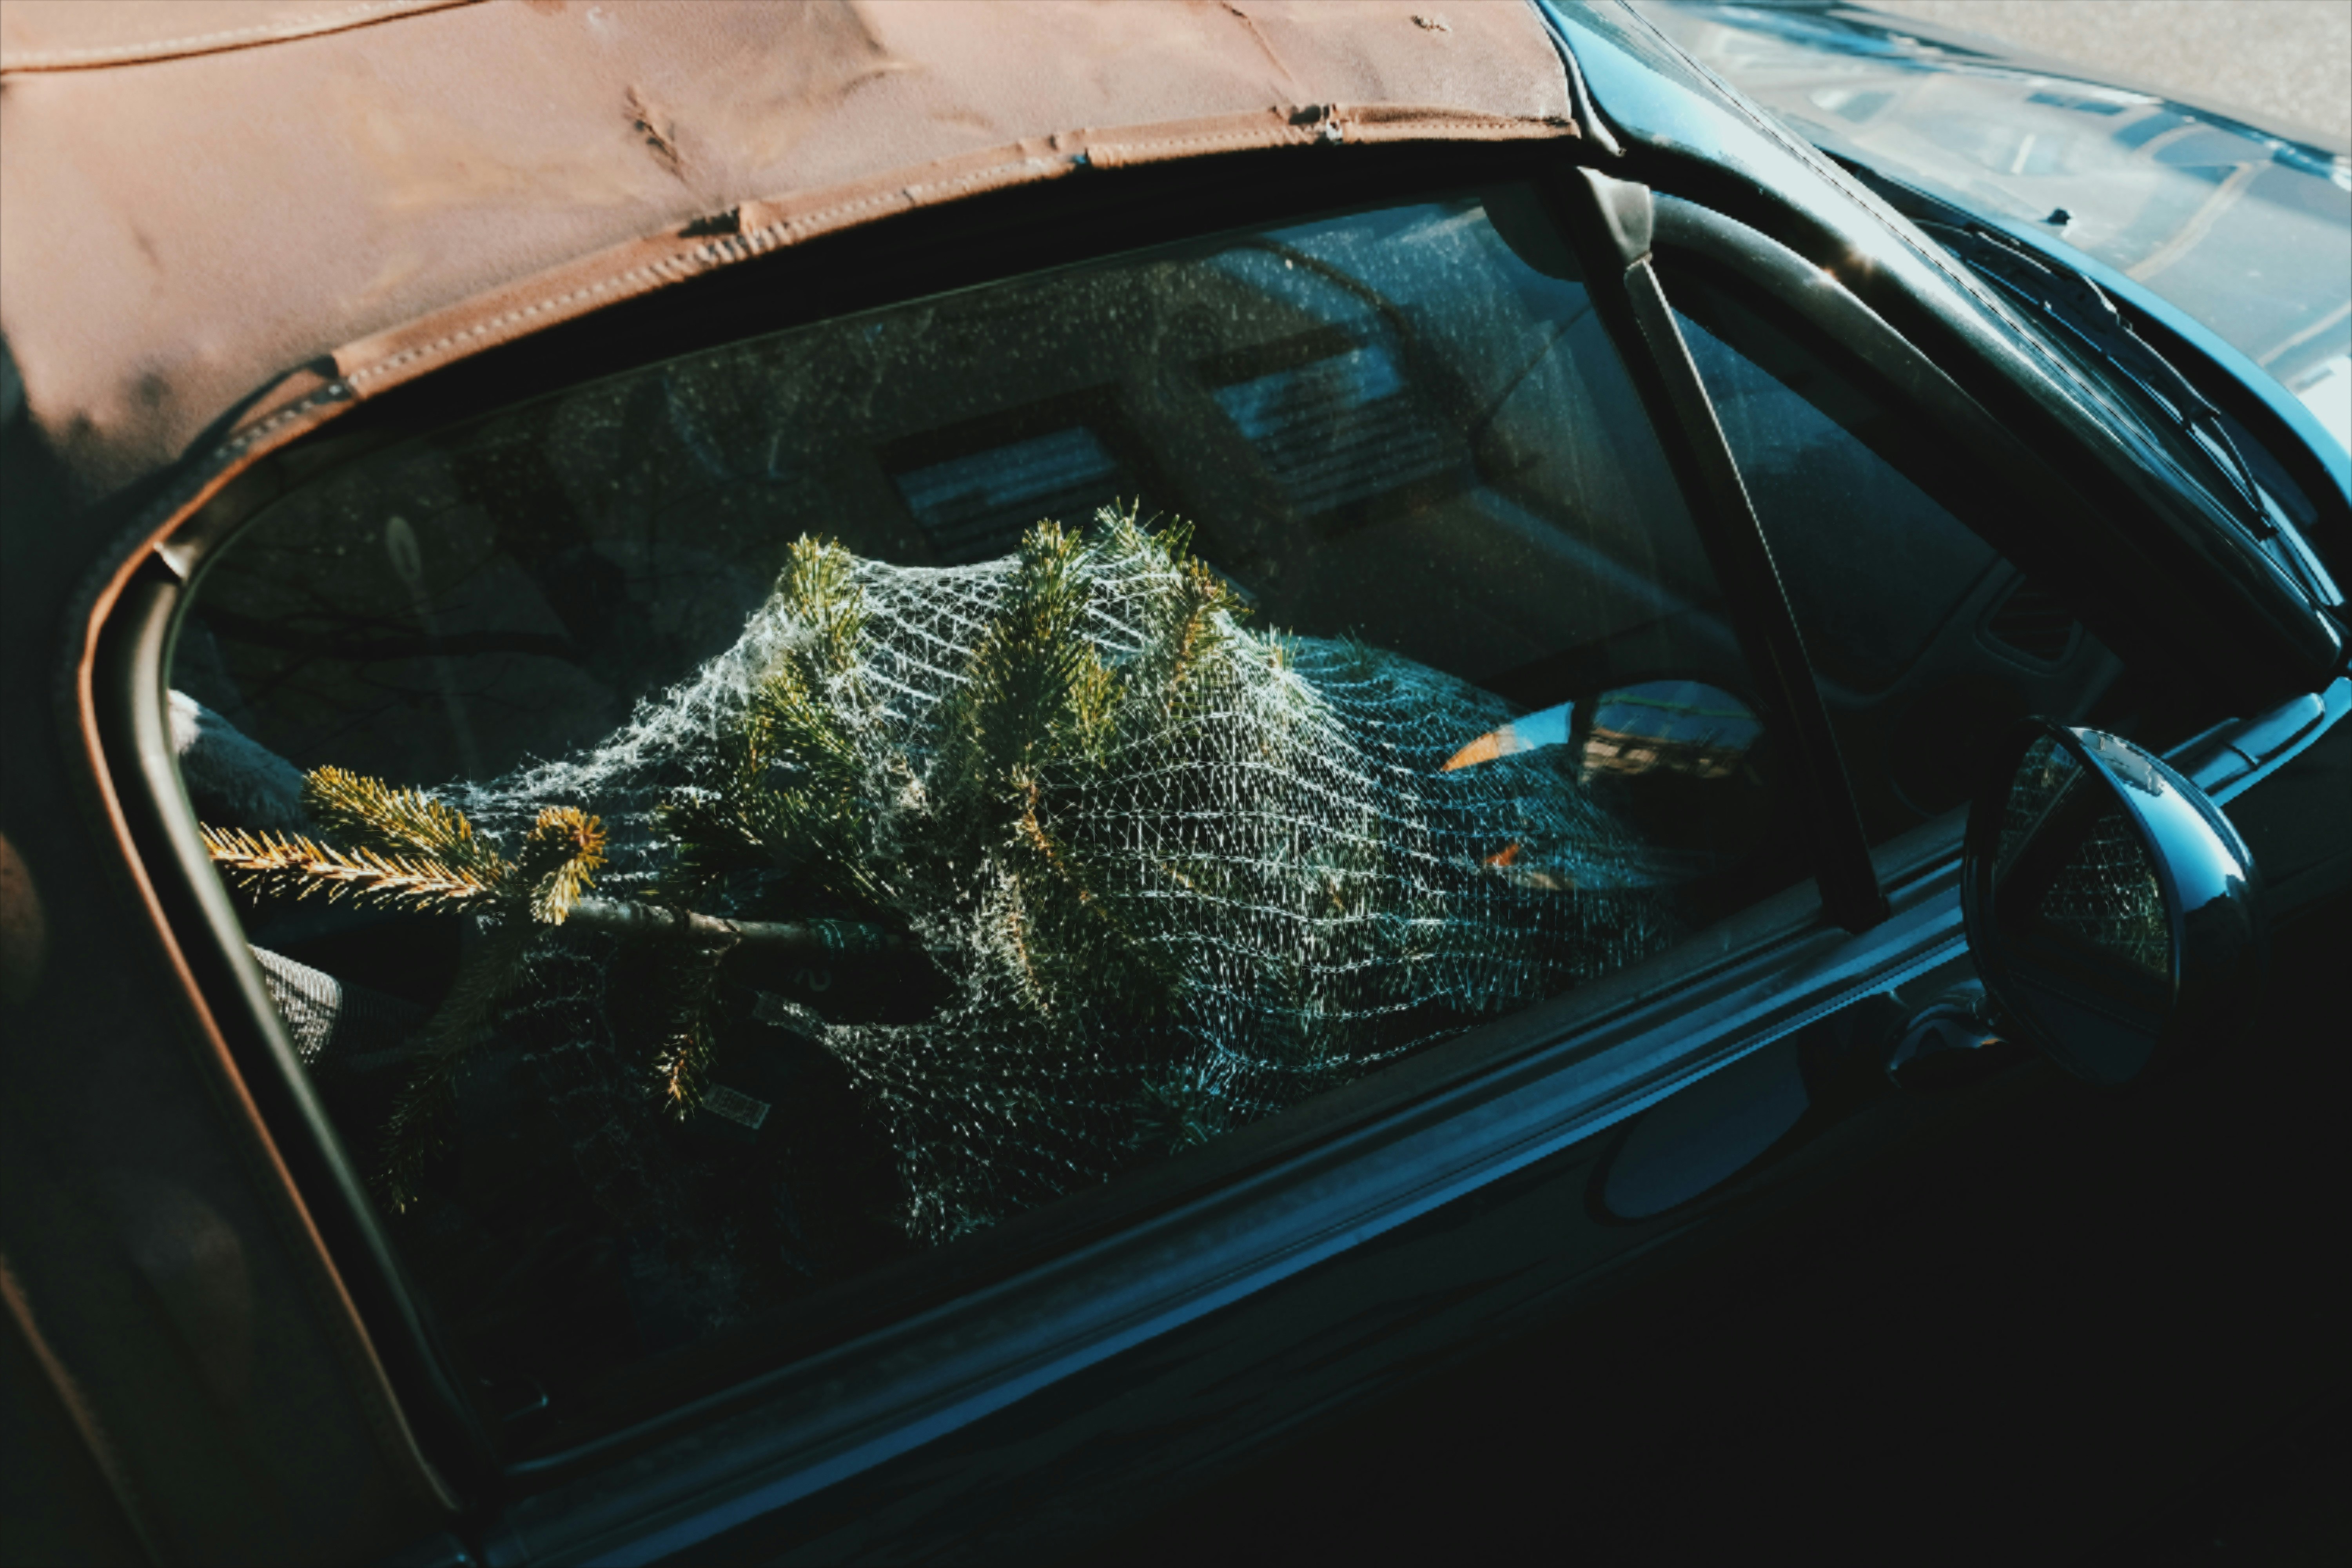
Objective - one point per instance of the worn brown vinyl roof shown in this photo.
(206, 200)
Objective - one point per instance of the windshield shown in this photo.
(2248, 232)
(1649, 87)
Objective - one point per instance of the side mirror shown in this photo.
(2113, 911)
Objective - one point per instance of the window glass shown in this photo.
(719, 828)
(1928, 644)
(1831, 506)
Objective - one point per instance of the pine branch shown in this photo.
(487, 972)
(817, 831)
(417, 1131)
(1030, 732)
(1036, 692)
(683, 1069)
(1178, 1111)
(376, 816)
(426, 1108)
(559, 857)
(708, 840)
(796, 718)
(788, 793)
(287, 865)
(1186, 624)
(811, 938)
(792, 724)
(819, 582)
(684, 1065)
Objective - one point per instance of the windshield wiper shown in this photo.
(2090, 318)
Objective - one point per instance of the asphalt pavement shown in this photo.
(2288, 63)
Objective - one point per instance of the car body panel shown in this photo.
(1463, 1196)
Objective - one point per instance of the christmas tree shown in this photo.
(1168, 874)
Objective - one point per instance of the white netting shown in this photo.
(1262, 882)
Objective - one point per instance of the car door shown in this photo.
(1415, 451)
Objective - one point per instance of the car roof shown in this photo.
(226, 217)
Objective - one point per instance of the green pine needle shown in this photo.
(373, 814)
(559, 857)
(422, 1114)
(287, 865)
(683, 1069)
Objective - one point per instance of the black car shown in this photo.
(869, 783)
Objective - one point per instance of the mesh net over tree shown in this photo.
(1173, 873)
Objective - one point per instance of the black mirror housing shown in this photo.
(2114, 913)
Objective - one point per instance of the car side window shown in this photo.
(719, 828)
(1927, 642)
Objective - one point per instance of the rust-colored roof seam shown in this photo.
(720, 252)
(730, 248)
(359, 14)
